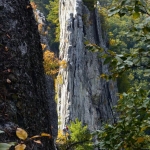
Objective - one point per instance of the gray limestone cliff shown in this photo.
(81, 92)
(23, 93)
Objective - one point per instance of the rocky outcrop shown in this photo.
(23, 98)
(42, 27)
(52, 105)
(81, 92)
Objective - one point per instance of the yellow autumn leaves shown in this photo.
(23, 135)
(52, 64)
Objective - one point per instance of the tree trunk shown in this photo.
(23, 98)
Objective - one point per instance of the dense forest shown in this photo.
(127, 27)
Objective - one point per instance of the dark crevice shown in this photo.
(96, 33)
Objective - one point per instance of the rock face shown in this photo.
(23, 98)
(81, 93)
(52, 105)
(42, 27)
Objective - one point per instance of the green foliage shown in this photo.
(137, 57)
(77, 138)
(50, 9)
(132, 58)
(53, 18)
(81, 135)
(6, 146)
(129, 132)
(123, 83)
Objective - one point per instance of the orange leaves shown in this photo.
(38, 141)
(33, 5)
(43, 46)
(36, 136)
(140, 139)
(21, 134)
(46, 134)
(51, 63)
(40, 26)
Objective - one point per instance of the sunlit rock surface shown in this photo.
(81, 92)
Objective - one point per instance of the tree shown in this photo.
(53, 18)
(77, 137)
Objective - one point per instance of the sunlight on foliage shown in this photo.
(21, 134)
(77, 137)
(51, 63)
(46, 135)
(53, 18)
(20, 147)
(61, 138)
(63, 64)
(133, 123)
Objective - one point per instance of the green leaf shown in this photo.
(136, 15)
(107, 60)
(147, 72)
(146, 30)
(147, 20)
(119, 59)
(5, 146)
(129, 63)
(113, 11)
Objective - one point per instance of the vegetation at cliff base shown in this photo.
(75, 137)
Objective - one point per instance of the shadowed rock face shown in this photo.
(81, 93)
(23, 98)
(40, 18)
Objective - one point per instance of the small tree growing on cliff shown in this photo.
(77, 138)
